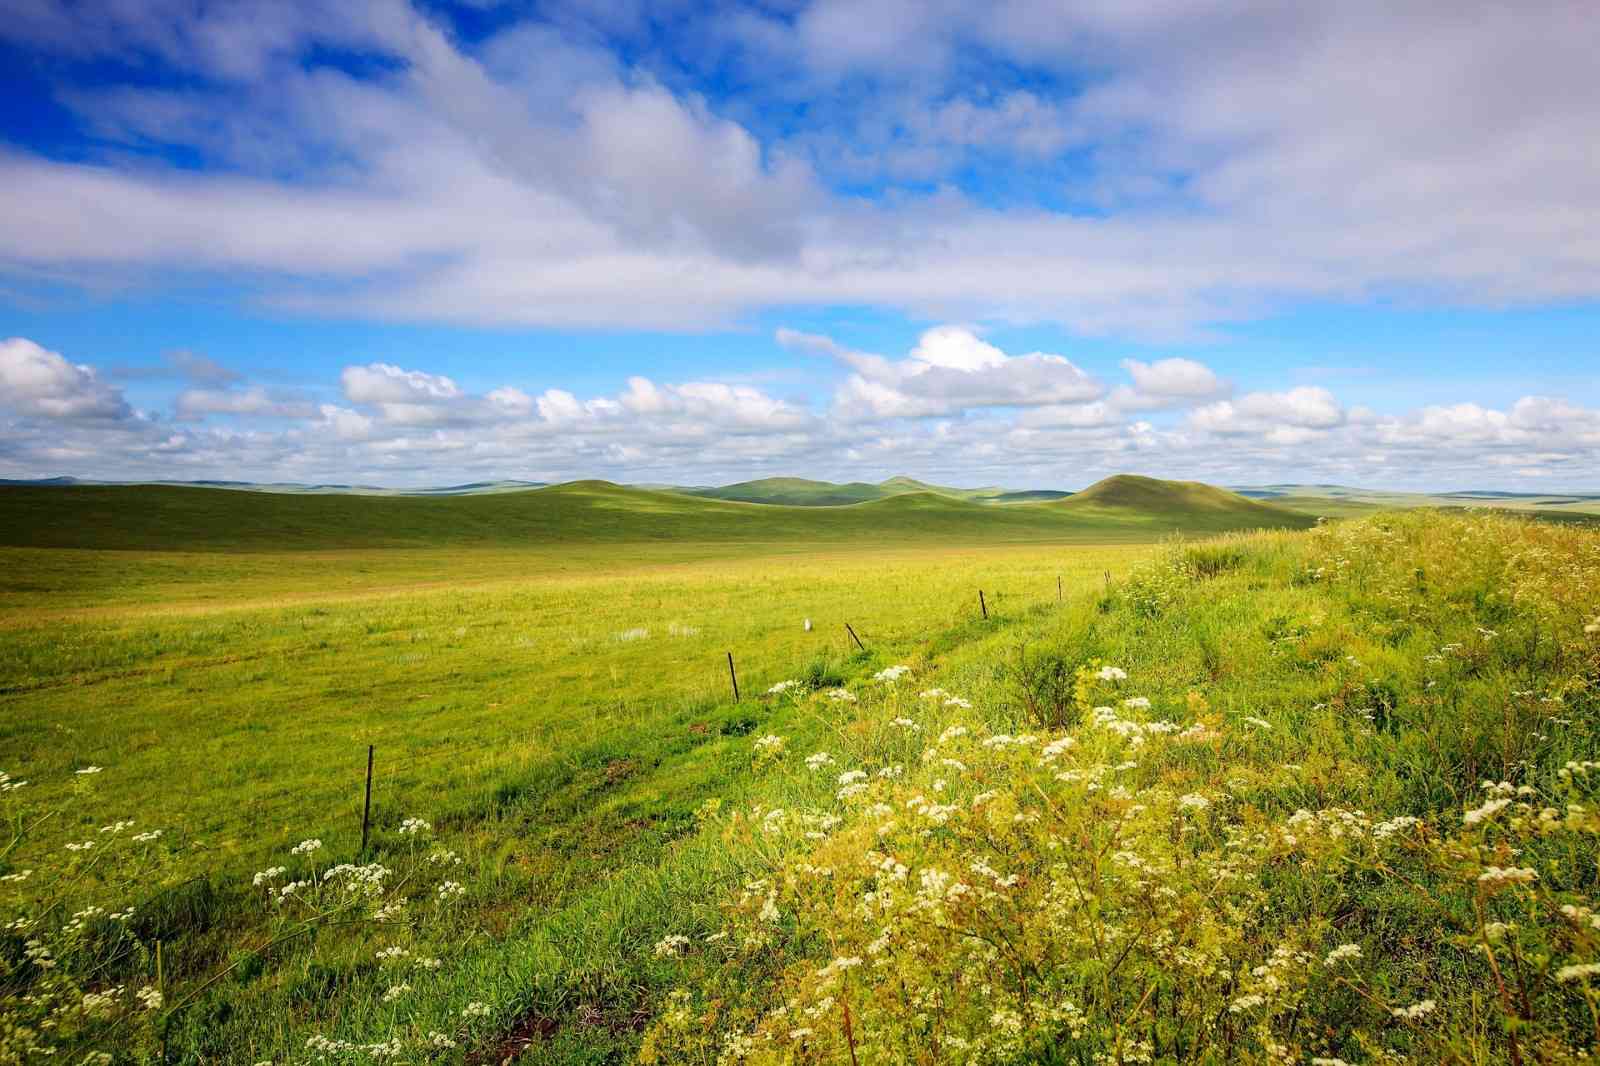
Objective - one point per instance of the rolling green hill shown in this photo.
(163, 518)
(1182, 506)
(794, 492)
(804, 492)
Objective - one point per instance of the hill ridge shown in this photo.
(171, 518)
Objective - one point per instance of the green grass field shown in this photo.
(543, 678)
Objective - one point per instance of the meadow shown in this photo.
(1151, 784)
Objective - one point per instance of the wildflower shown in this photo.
(671, 946)
(1111, 673)
(271, 873)
(958, 703)
(1259, 723)
(952, 733)
(817, 760)
(439, 1040)
(1384, 830)
(841, 695)
(475, 1010)
(1507, 875)
(147, 836)
(1579, 972)
(150, 998)
(450, 890)
(1488, 810)
(850, 777)
(1137, 703)
(891, 674)
(306, 847)
(415, 827)
(430, 964)
(1342, 952)
(1415, 1011)
(1194, 800)
(770, 745)
(1056, 747)
(89, 770)
(933, 694)
(391, 953)
(905, 723)
(781, 687)
(395, 992)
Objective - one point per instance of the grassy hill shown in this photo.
(794, 491)
(169, 518)
(1181, 506)
(804, 492)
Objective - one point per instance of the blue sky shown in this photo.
(422, 243)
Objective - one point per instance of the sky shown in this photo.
(1025, 242)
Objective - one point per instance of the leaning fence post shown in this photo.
(733, 677)
(982, 605)
(853, 636)
(1058, 588)
(366, 808)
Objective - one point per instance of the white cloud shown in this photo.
(36, 381)
(1238, 162)
(1307, 408)
(384, 383)
(1174, 378)
(256, 400)
(950, 370)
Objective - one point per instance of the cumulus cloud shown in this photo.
(950, 370)
(59, 417)
(36, 381)
(252, 401)
(1230, 159)
(1307, 408)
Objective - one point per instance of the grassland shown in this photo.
(558, 708)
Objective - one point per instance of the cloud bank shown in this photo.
(953, 407)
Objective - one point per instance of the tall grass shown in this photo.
(1007, 854)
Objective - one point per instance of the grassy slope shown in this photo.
(1177, 506)
(795, 492)
(804, 492)
(586, 849)
(1329, 674)
(154, 518)
(560, 728)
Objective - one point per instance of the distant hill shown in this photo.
(186, 518)
(290, 487)
(804, 492)
(794, 492)
(1338, 501)
(1180, 505)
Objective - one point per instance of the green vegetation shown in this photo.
(803, 492)
(160, 518)
(795, 492)
(1140, 881)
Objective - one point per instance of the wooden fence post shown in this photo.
(733, 677)
(853, 637)
(982, 605)
(366, 808)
